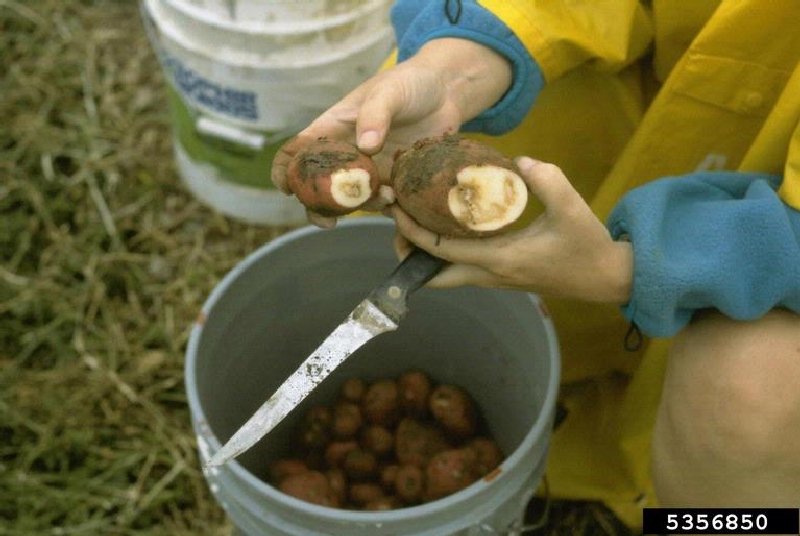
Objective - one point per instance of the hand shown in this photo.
(448, 82)
(565, 252)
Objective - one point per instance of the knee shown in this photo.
(730, 393)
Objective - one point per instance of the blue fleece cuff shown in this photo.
(719, 240)
(418, 21)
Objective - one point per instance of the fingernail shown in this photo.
(368, 139)
(525, 163)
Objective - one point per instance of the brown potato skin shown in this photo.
(337, 451)
(381, 403)
(415, 388)
(362, 493)
(311, 486)
(488, 452)
(378, 439)
(409, 483)
(453, 408)
(280, 469)
(423, 175)
(360, 464)
(308, 174)
(383, 503)
(353, 389)
(415, 442)
(347, 419)
(450, 471)
(337, 481)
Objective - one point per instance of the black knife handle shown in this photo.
(415, 270)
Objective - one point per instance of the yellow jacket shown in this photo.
(624, 77)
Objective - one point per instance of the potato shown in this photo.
(378, 439)
(315, 429)
(488, 454)
(313, 437)
(347, 419)
(336, 452)
(388, 476)
(416, 442)
(360, 464)
(409, 483)
(380, 403)
(353, 389)
(458, 187)
(454, 410)
(337, 481)
(383, 503)
(280, 469)
(332, 177)
(449, 472)
(414, 389)
(362, 493)
(311, 486)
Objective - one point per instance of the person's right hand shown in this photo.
(447, 83)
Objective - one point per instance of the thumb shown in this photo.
(548, 183)
(375, 117)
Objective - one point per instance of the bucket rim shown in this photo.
(275, 28)
(212, 443)
(363, 44)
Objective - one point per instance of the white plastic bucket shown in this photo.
(274, 308)
(245, 75)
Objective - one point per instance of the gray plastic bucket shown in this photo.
(276, 306)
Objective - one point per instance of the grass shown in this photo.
(104, 262)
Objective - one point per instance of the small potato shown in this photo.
(488, 453)
(353, 389)
(454, 410)
(321, 416)
(360, 464)
(449, 472)
(383, 503)
(336, 452)
(414, 388)
(313, 437)
(389, 476)
(282, 468)
(332, 177)
(415, 442)
(347, 419)
(338, 484)
(311, 486)
(409, 483)
(380, 403)
(378, 439)
(362, 493)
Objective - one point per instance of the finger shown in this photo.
(402, 247)
(375, 116)
(454, 250)
(459, 275)
(548, 183)
(383, 199)
(320, 221)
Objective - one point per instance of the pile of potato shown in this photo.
(387, 444)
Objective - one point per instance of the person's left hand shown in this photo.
(565, 252)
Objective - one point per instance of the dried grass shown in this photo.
(104, 261)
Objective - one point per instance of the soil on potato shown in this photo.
(311, 165)
(429, 157)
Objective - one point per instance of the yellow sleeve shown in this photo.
(790, 187)
(561, 35)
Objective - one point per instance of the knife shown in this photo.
(382, 311)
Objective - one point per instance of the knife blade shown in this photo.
(382, 311)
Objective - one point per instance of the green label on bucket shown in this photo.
(236, 163)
